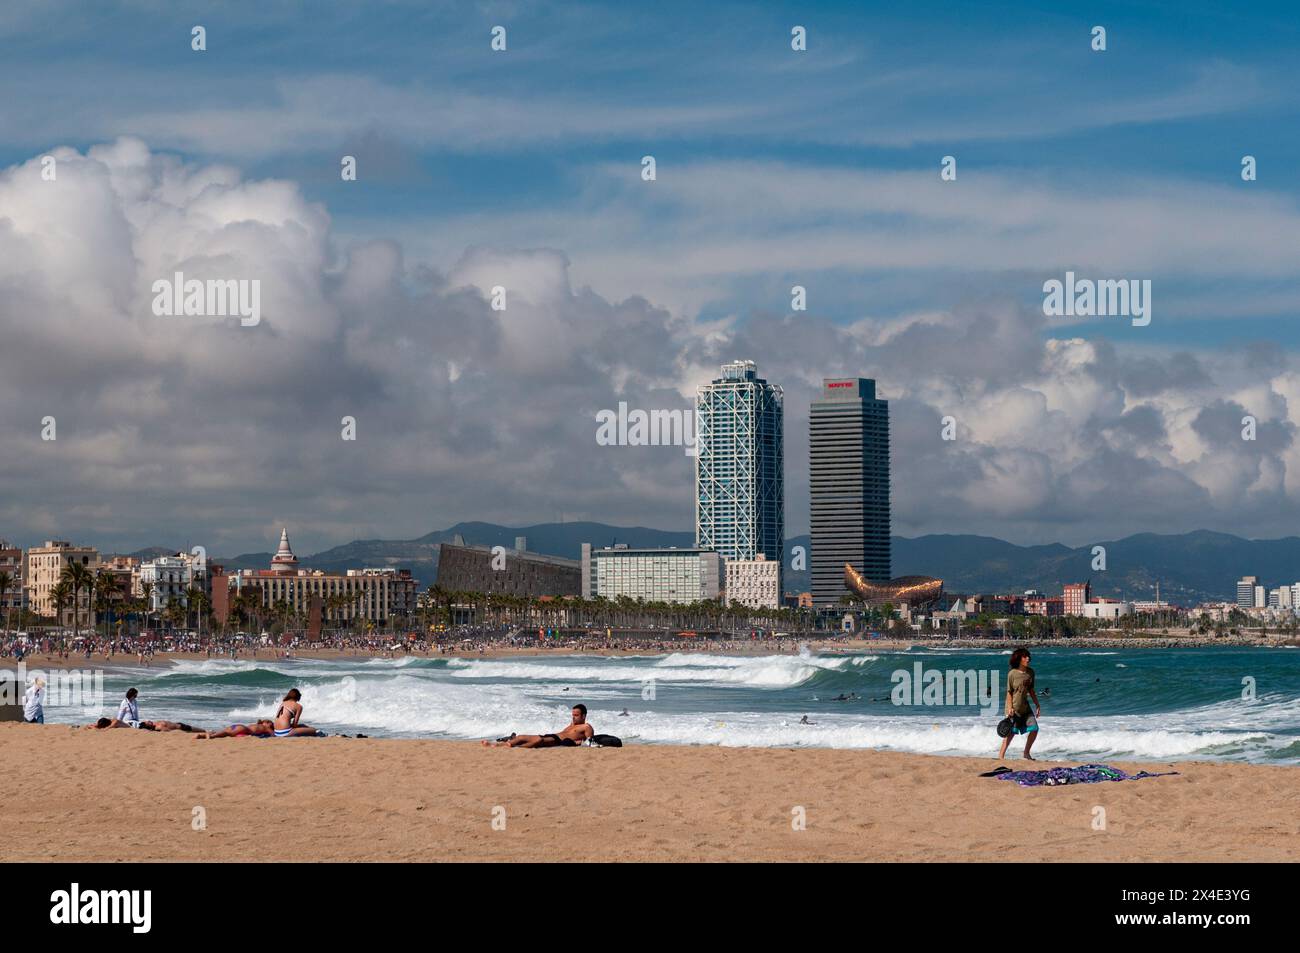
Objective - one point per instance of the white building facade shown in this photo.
(1105, 610)
(169, 577)
(652, 575)
(755, 583)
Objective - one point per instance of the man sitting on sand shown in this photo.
(260, 728)
(575, 734)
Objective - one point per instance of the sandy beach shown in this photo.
(121, 795)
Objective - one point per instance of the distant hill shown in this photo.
(1190, 567)
(420, 555)
(153, 552)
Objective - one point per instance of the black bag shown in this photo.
(606, 741)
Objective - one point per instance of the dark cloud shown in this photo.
(185, 430)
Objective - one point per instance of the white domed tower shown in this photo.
(284, 561)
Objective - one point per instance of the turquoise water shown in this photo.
(1149, 704)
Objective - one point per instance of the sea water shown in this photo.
(1224, 704)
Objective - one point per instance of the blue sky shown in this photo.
(775, 168)
(530, 139)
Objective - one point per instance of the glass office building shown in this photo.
(848, 476)
(740, 465)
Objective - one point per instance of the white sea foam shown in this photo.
(678, 659)
(484, 698)
(771, 671)
(400, 662)
(409, 706)
(1068, 739)
(213, 666)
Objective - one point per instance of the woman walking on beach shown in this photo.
(1020, 690)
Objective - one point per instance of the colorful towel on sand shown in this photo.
(1084, 774)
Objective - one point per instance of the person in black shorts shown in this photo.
(575, 734)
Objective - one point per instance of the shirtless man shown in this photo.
(159, 725)
(261, 728)
(575, 734)
(156, 725)
(287, 719)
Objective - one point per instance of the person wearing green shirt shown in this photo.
(1020, 692)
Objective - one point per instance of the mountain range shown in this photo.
(1189, 567)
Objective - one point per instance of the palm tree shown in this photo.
(106, 587)
(175, 612)
(77, 577)
(6, 583)
(146, 592)
(60, 592)
(194, 599)
(202, 603)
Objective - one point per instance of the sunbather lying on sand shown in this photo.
(575, 734)
(156, 725)
(108, 723)
(260, 728)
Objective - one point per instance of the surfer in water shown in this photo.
(1020, 691)
(571, 736)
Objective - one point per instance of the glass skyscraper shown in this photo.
(740, 465)
(848, 474)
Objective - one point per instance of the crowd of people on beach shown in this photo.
(460, 641)
(287, 722)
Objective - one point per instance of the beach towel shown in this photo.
(1084, 774)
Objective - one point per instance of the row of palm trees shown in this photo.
(104, 599)
(499, 610)
(7, 586)
(99, 595)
